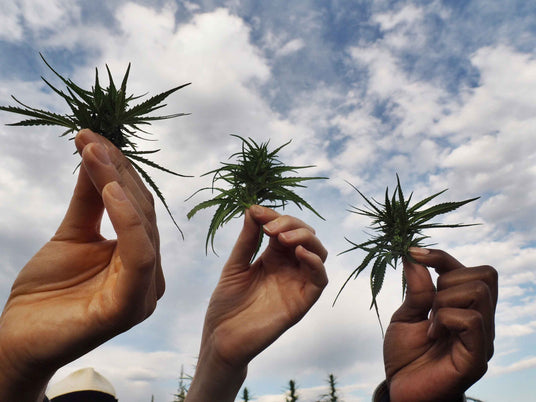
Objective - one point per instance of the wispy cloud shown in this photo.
(442, 94)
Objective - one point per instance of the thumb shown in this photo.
(419, 295)
(245, 245)
(83, 217)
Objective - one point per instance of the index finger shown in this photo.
(452, 272)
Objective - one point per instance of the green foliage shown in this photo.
(292, 392)
(398, 227)
(257, 177)
(182, 389)
(332, 395)
(246, 396)
(105, 111)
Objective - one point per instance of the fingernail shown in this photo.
(417, 251)
(271, 226)
(82, 140)
(430, 330)
(116, 191)
(101, 154)
(287, 236)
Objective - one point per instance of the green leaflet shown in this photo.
(397, 226)
(106, 111)
(257, 177)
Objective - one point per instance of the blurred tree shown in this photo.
(182, 390)
(292, 392)
(332, 395)
(246, 396)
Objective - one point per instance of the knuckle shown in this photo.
(150, 198)
(490, 274)
(491, 351)
(480, 290)
(475, 320)
(149, 212)
(161, 289)
(150, 306)
(147, 260)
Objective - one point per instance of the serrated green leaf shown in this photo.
(105, 111)
(257, 177)
(398, 226)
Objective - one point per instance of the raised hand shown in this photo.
(254, 303)
(439, 342)
(80, 289)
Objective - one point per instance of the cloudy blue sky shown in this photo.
(441, 92)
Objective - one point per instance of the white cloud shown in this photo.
(36, 16)
(515, 330)
(390, 120)
(528, 363)
(291, 47)
(407, 15)
(10, 21)
(48, 14)
(505, 94)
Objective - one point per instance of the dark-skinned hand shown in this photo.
(440, 340)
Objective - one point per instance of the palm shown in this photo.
(419, 366)
(254, 304)
(273, 287)
(78, 298)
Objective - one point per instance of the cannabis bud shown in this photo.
(398, 226)
(108, 112)
(257, 177)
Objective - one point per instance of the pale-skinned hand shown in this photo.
(254, 303)
(80, 289)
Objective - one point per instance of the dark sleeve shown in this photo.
(381, 394)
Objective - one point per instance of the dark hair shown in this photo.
(84, 396)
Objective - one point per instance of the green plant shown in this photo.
(257, 177)
(246, 395)
(332, 395)
(398, 227)
(182, 389)
(293, 395)
(105, 111)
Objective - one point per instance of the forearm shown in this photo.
(214, 380)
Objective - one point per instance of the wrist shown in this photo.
(215, 379)
(21, 388)
(382, 394)
(19, 384)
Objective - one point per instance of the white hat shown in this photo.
(86, 379)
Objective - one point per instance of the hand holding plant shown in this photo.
(257, 177)
(105, 111)
(398, 227)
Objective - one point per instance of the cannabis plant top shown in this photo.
(397, 226)
(257, 177)
(108, 112)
